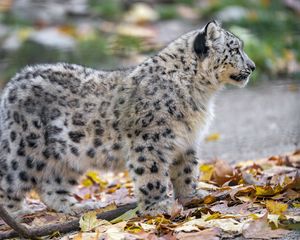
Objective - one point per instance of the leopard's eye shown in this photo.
(236, 50)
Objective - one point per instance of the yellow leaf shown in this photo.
(207, 172)
(267, 190)
(274, 218)
(87, 182)
(87, 196)
(215, 215)
(133, 227)
(89, 221)
(212, 137)
(209, 199)
(275, 207)
(93, 177)
(296, 205)
(254, 216)
(126, 216)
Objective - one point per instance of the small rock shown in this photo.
(173, 28)
(77, 7)
(42, 11)
(52, 37)
(232, 13)
(12, 42)
(141, 13)
(3, 31)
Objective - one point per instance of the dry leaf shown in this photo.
(222, 172)
(262, 229)
(212, 137)
(275, 207)
(89, 221)
(207, 172)
(207, 234)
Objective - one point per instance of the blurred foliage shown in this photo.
(270, 30)
(167, 11)
(108, 9)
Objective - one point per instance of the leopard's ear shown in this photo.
(210, 33)
(212, 30)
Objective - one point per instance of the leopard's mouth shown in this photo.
(240, 77)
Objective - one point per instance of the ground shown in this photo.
(255, 122)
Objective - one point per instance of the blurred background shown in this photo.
(260, 120)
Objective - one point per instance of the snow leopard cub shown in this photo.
(57, 121)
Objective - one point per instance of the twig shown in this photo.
(33, 233)
(21, 229)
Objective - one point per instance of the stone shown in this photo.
(232, 13)
(53, 38)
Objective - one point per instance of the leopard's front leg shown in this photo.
(184, 173)
(149, 167)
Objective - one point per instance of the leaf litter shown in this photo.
(263, 195)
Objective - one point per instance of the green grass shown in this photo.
(108, 9)
(167, 11)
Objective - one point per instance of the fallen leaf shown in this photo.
(212, 137)
(89, 221)
(267, 190)
(222, 172)
(207, 172)
(126, 216)
(207, 234)
(275, 207)
(262, 229)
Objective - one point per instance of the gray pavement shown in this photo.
(255, 122)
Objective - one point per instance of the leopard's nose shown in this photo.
(251, 66)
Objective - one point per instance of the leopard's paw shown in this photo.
(165, 206)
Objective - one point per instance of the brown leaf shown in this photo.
(262, 229)
(207, 234)
(222, 172)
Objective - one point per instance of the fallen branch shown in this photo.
(32, 233)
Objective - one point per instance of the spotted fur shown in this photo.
(57, 121)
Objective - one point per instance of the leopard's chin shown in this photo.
(240, 77)
(240, 83)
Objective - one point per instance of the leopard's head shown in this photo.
(222, 55)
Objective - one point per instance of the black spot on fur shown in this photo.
(91, 153)
(97, 142)
(74, 151)
(14, 165)
(154, 168)
(76, 136)
(187, 181)
(13, 136)
(150, 186)
(9, 178)
(72, 182)
(187, 170)
(139, 170)
(141, 159)
(40, 166)
(144, 191)
(62, 192)
(23, 176)
(29, 162)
